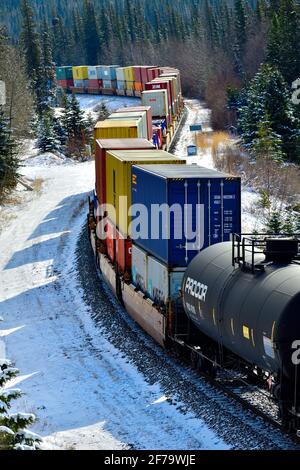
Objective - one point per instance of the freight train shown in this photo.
(169, 254)
(159, 89)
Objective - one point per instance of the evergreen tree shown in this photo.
(8, 157)
(283, 49)
(47, 138)
(30, 41)
(91, 33)
(73, 119)
(268, 95)
(275, 223)
(13, 433)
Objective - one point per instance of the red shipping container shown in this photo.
(110, 240)
(137, 73)
(141, 108)
(102, 146)
(153, 73)
(63, 83)
(123, 253)
(93, 84)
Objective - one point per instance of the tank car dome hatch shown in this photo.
(257, 317)
(281, 250)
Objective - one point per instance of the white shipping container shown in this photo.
(158, 100)
(139, 268)
(79, 83)
(92, 73)
(163, 284)
(120, 74)
(121, 85)
(109, 84)
(132, 115)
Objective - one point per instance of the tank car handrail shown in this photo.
(255, 244)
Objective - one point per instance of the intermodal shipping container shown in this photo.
(110, 240)
(120, 74)
(81, 73)
(133, 115)
(64, 73)
(158, 100)
(129, 85)
(139, 268)
(141, 108)
(121, 85)
(163, 283)
(93, 84)
(164, 84)
(108, 72)
(152, 73)
(129, 74)
(113, 129)
(109, 84)
(92, 73)
(81, 83)
(65, 83)
(118, 181)
(217, 194)
(102, 146)
(138, 86)
(123, 253)
(155, 279)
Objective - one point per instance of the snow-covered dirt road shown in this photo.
(90, 375)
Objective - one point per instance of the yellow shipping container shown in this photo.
(129, 74)
(119, 129)
(118, 180)
(80, 73)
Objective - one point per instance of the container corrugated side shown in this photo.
(119, 180)
(139, 263)
(108, 72)
(149, 116)
(102, 146)
(110, 129)
(133, 115)
(120, 74)
(129, 74)
(219, 196)
(164, 284)
(64, 73)
(158, 101)
(80, 72)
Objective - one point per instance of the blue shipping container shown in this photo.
(218, 195)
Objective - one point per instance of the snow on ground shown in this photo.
(89, 103)
(86, 394)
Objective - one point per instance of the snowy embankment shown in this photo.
(86, 390)
(83, 391)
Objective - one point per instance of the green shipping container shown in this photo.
(64, 73)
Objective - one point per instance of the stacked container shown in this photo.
(109, 77)
(103, 146)
(119, 129)
(81, 72)
(121, 81)
(64, 77)
(148, 113)
(154, 278)
(158, 100)
(129, 79)
(94, 77)
(119, 181)
(159, 84)
(216, 194)
(133, 115)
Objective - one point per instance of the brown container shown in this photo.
(104, 145)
